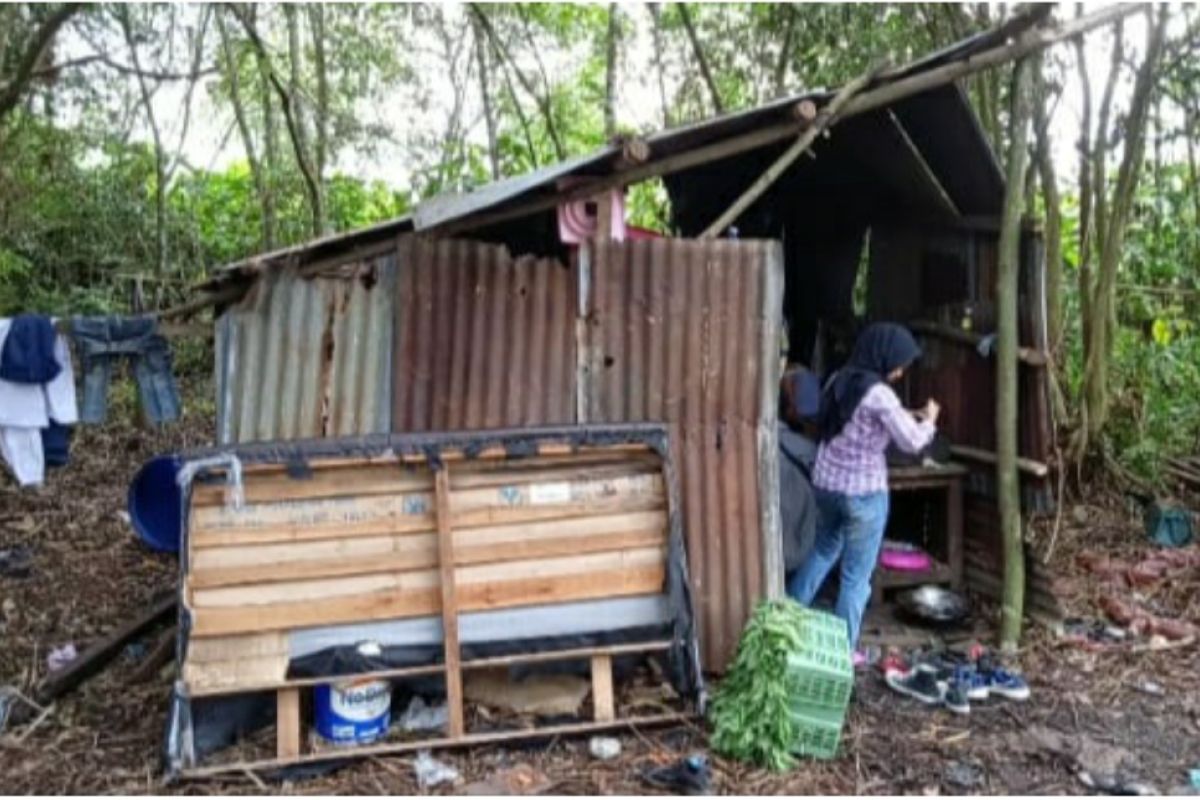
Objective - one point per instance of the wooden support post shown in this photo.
(954, 532)
(604, 215)
(603, 705)
(287, 723)
(454, 691)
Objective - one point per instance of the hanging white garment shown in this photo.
(26, 408)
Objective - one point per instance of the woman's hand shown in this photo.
(929, 412)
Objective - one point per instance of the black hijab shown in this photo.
(881, 348)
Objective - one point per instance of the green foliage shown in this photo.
(751, 713)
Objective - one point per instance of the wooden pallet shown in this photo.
(363, 541)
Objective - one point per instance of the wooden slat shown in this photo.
(326, 588)
(234, 648)
(490, 662)
(603, 706)
(452, 653)
(549, 731)
(339, 482)
(287, 723)
(584, 535)
(371, 516)
(350, 480)
(424, 602)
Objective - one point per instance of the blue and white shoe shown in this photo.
(1002, 683)
(974, 683)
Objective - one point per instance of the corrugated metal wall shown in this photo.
(308, 357)
(452, 335)
(676, 331)
(482, 340)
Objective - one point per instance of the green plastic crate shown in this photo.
(821, 672)
(820, 730)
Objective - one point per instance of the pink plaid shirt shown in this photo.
(853, 462)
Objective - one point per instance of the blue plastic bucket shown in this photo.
(155, 504)
(353, 712)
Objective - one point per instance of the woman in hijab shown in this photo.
(860, 414)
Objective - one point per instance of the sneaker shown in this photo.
(956, 698)
(690, 776)
(920, 684)
(974, 683)
(893, 662)
(1005, 684)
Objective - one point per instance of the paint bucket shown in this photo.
(354, 711)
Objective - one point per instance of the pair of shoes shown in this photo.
(924, 683)
(995, 680)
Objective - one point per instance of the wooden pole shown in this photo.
(1007, 481)
(825, 118)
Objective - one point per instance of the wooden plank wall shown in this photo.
(359, 542)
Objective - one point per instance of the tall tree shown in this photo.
(701, 59)
(292, 115)
(30, 52)
(233, 71)
(483, 68)
(1094, 400)
(612, 45)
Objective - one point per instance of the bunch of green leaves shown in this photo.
(751, 712)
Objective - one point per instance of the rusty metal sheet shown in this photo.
(308, 357)
(675, 332)
(482, 340)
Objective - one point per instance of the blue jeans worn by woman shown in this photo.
(849, 527)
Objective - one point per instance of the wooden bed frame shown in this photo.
(570, 523)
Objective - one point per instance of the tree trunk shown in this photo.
(31, 56)
(291, 117)
(610, 72)
(270, 159)
(656, 29)
(785, 50)
(701, 60)
(1052, 200)
(502, 54)
(1007, 481)
(1084, 277)
(316, 13)
(160, 160)
(1099, 350)
(485, 95)
(232, 67)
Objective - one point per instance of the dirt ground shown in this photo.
(1136, 714)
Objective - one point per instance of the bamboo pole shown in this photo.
(1008, 489)
(825, 119)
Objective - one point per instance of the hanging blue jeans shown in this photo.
(104, 340)
(850, 528)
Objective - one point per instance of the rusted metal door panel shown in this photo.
(687, 333)
(304, 357)
(482, 340)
